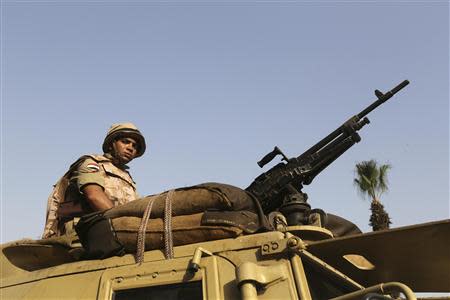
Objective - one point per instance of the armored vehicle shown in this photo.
(215, 241)
(302, 262)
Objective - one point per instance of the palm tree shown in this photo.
(371, 181)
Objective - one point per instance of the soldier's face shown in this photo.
(125, 149)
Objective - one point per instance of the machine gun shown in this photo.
(281, 187)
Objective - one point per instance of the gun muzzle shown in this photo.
(388, 95)
(382, 98)
(399, 87)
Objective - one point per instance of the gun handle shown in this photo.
(269, 156)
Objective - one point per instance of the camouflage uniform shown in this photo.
(67, 200)
(117, 184)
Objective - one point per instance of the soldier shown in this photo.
(96, 182)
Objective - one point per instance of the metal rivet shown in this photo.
(275, 246)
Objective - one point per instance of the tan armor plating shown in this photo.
(119, 187)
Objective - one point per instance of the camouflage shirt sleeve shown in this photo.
(88, 172)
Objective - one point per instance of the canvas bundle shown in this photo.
(189, 200)
(186, 229)
(204, 212)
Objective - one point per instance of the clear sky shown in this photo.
(215, 85)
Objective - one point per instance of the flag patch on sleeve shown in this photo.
(93, 167)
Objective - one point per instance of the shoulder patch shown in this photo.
(93, 167)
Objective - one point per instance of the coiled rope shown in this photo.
(140, 246)
(168, 238)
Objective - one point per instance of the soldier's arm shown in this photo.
(96, 197)
(89, 178)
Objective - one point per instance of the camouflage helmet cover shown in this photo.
(124, 130)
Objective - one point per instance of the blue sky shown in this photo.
(216, 85)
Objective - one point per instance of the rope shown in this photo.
(140, 245)
(168, 239)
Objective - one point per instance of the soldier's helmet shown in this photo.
(124, 130)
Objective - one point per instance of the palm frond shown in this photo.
(382, 178)
(361, 188)
(371, 180)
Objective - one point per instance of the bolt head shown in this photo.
(292, 242)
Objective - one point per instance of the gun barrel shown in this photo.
(382, 98)
(338, 131)
(400, 86)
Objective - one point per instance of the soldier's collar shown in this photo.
(114, 161)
